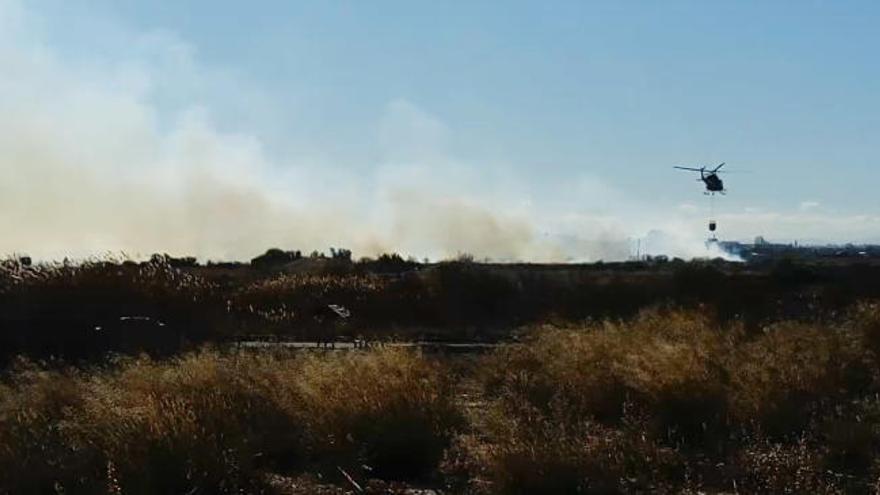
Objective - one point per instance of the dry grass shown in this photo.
(666, 402)
(865, 317)
(204, 421)
(394, 413)
(216, 423)
(792, 372)
(52, 309)
(35, 455)
(791, 408)
(552, 454)
(662, 362)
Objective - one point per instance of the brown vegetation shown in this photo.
(81, 311)
(217, 423)
(668, 401)
(737, 379)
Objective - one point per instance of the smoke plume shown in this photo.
(125, 154)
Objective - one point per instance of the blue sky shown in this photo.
(553, 120)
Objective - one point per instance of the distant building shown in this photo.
(763, 250)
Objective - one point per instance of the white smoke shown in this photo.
(125, 154)
(91, 164)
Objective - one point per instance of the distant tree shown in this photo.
(389, 263)
(224, 264)
(464, 258)
(167, 259)
(340, 254)
(275, 257)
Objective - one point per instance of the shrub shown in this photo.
(865, 318)
(389, 409)
(214, 423)
(772, 467)
(295, 300)
(275, 257)
(665, 363)
(56, 310)
(791, 409)
(36, 455)
(779, 378)
(202, 421)
(549, 454)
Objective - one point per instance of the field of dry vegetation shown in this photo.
(668, 399)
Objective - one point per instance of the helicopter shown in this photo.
(714, 184)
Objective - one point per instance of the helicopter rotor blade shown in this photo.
(718, 168)
(690, 168)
